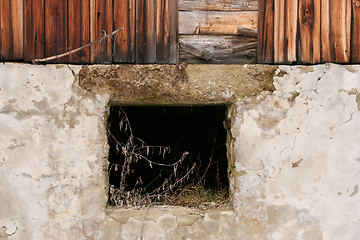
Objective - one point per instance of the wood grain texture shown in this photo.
(336, 31)
(309, 45)
(325, 31)
(34, 30)
(78, 30)
(11, 23)
(162, 31)
(102, 52)
(166, 37)
(217, 48)
(174, 31)
(216, 22)
(124, 17)
(340, 30)
(56, 28)
(279, 28)
(265, 52)
(291, 27)
(218, 5)
(355, 32)
(145, 31)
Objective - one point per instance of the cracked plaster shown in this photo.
(294, 157)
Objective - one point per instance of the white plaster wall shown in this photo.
(51, 149)
(312, 120)
(295, 176)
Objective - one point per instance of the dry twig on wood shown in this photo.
(77, 49)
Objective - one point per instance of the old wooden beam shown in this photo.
(218, 5)
(247, 32)
(216, 22)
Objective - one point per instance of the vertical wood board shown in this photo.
(162, 31)
(78, 30)
(124, 17)
(340, 30)
(56, 29)
(309, 45)
(174, 31)
(34, 30)
(266, 31)
(279, 40)
(11, 27)
(103, 25)
(325, 31)
(291, 23)
(355, 32)
(145, 31)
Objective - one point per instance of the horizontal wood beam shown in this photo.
(218, 5)
(216, 22)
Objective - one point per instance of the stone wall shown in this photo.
(294, 152)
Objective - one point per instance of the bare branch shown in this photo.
(77, 49)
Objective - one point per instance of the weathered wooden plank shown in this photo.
(266, 31)
(162, 31)
(325, 31)
(355, 32)
(124, 17)
(218, 5)
(216, 22)
(145, 31)
(174, 31)
(291, 26)
(340, 28)
(5, 29)
(247, 32)
(309, 47)
(11, 24)
(336, 31)
(166, 42)
(78, 30)
(56, 28)
(92, 29)
(103, 25)
(215, 48)
(279, 40)
(34, 30)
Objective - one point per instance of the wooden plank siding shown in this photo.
(265, 53)
(317, 30)
(289, 31)
(145, 31)
(355, 29)
(34, 30)
(309, 47)
(103, 25)
(78, 30)
(56, 28)
(124, 17)
(11, 29)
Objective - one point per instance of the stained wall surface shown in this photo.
(294, 154)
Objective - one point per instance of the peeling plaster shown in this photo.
(294, 155)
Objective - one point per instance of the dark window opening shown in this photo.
(175, 155)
